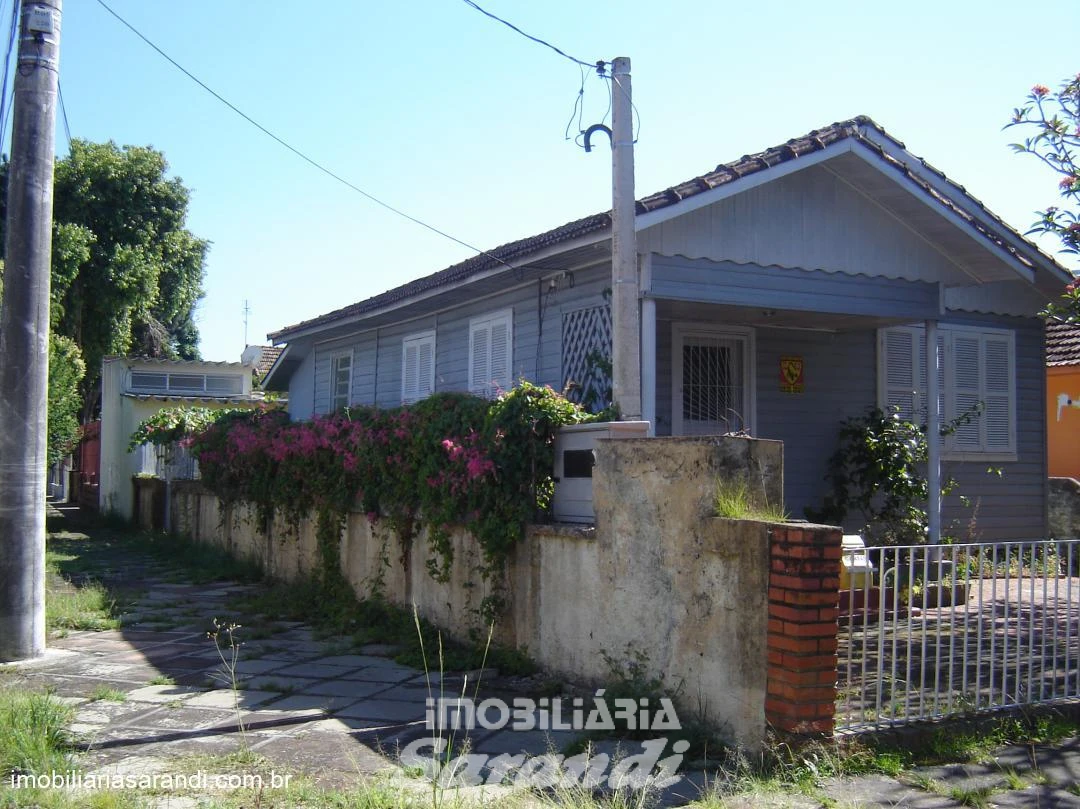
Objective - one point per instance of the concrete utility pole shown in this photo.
(24, 334)
(625, 317)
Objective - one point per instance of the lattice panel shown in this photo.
(586, 356)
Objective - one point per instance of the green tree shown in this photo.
(66, 371)
(126, 273)
(1053, 120)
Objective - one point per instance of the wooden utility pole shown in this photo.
(625, 316)
(24, 334)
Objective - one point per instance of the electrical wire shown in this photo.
(578, 109)
(63, 110)
(537, 40)
(311, 161)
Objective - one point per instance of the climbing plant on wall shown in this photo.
(451, 459)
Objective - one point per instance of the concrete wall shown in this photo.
(658, 574)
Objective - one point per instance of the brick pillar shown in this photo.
(804, 601)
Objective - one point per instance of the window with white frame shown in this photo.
(340, 381)
(976, 377)
(417, 367)
(491, 348)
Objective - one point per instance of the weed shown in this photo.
(976, 797)
(162, 679)
(33, 733)
(104, 693)
(734, 500)
(230, 656)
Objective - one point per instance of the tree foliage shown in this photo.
(126, 273)
(1052, 120)
(66, 372)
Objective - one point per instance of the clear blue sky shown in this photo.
(459, 121)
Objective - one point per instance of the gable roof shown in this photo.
(861, 129)
(1062, 343)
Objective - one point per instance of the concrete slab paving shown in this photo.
(382, 674)
(162, 693)
(349, 713)
(314, 670)
(226, 698)
(379, 709)
(303, 702)
(346, 688)
(278, 683)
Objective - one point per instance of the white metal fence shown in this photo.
(933, 631)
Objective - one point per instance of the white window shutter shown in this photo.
(999, 393)
(501, 350)
(491, 353)
(966, 350)
(479, 351)
(425, 362)
(410, 377)
(900, 371)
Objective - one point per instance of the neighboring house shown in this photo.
(262, 358)
(781, 294)
(1063, 399)
(134, 389)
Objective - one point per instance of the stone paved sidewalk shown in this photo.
(338, 713)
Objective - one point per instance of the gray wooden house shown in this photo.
(780, 294)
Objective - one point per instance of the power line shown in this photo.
(599, 65)
(63, 110)
(293, 149)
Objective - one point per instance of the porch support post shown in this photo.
(648, 347)
(933, 433)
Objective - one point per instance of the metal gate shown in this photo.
(933, 631)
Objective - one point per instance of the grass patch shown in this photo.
(88, 606)
(958, 745)
(33, 733)
(734, 500)
(104, 693)
(335, 611)
(162, 679)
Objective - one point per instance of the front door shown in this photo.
(712, 380)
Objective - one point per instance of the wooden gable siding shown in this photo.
(798, 290)
(302, 387)
(810, 219)
(377, 376)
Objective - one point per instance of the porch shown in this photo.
(790, 354)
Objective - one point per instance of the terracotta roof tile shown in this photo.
(1062, 343)
(267, 358)
(815, 141)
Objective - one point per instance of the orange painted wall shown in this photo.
(1063, 434)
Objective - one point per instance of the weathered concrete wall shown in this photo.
(1064, 508)
(659, 578)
